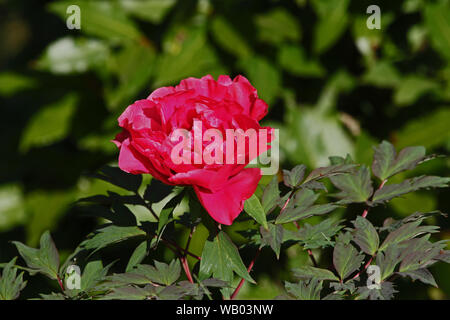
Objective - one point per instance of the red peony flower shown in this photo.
(165, 136)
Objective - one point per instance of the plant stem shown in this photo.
(60, 283)
(250, 266)
(366, 211)
(249, 269)
(365, 267)
(311, 256)
(183, 258)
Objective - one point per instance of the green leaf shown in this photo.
(387, 163)
(131, 293)
(437, 19)
(254, 208)
(50, 124)
(293, 59)
(388, 260)
(365, 235)
(133, 65)
(411, 88)
(161, 273)
(354, 187)
(10, 283)
(109, 235)
(68, 55)
(386, 292)
(276, 26)
(346, 259)
(308, 272)
(150, 10)
(228, 38)
(293, 178)
(271, 195)
(429, 130)
(333, 20)
(44, 260)
(409, 185)
(264, 76)
(220, 258)
(273, 237)
(301, 207)
(317, 236)
(305, 290)
(406, 232)
(183, 62)
(12, 83)
(326, 172)
(383, 74)
(93, 273)
(138, 255)
(101, 18)
(419, 253)
(120, 178)
(423, 275)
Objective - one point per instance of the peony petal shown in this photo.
(225, 205)
(132, 161)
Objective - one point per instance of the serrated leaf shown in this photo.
(355, 187)
(387, 163)
(365, 235)
(254, 208)
(326, 172)
(423, 275)
(303, 208)
(130, 293)
(93, 273)
(109, 235)
(161, 273)
(220, 258)
(44, 260)
(346, 259)
(317, 236)
(305, 290)
(386, 292)
(138, 255)
(293, 177)
(391, 191)
(10, 283)
(273, 237)
(308, 272)
(406, 232)
(270, 196)
(388, 260)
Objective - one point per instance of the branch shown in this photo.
(366, 211)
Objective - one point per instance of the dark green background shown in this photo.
(333, 87)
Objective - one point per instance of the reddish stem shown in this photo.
(249, 269)
(365, 267)
(60, 283)
(183, 259)
(366, 211)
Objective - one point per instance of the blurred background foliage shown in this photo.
(333, 86)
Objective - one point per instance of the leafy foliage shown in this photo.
(333, 87)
